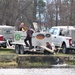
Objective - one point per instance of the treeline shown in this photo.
(46, 12)
(61, 12)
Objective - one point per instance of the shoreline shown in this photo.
(35, 61)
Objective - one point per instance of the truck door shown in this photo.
(55, 36)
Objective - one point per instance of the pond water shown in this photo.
(38, 71)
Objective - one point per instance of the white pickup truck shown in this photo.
(64, 37)
(6, 35)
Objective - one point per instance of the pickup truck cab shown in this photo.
(63, 36)
(6, 35)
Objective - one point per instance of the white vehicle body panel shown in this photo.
(38, 38)
(59, 39)
(7, 31)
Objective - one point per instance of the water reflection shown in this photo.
(38, 71)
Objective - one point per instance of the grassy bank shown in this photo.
(8, 65)
(7, 51)
(9, 59)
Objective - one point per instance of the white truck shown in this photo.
(6, 35)
(63, 37)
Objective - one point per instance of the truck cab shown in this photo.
(62, 36)
(6, 35)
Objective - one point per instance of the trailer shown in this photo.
(39, 40)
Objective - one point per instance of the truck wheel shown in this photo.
(21, 49)
(4, 45)
(64, 49)
(17, 49)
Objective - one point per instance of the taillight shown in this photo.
(1, 38)
(70, 41)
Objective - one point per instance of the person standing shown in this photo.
(28, 37)
(22, 27)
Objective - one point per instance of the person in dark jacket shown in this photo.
(28, 37)
(48, 45)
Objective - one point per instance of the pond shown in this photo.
(38, 71)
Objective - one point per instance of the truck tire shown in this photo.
(21, 49)
(64, 49)
(17, 49)
(4, 45)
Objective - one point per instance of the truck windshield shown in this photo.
(53, 31)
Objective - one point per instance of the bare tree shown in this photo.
(56, 12)
(13, 12)
(63, 12)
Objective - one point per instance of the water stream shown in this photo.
(38, 71)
